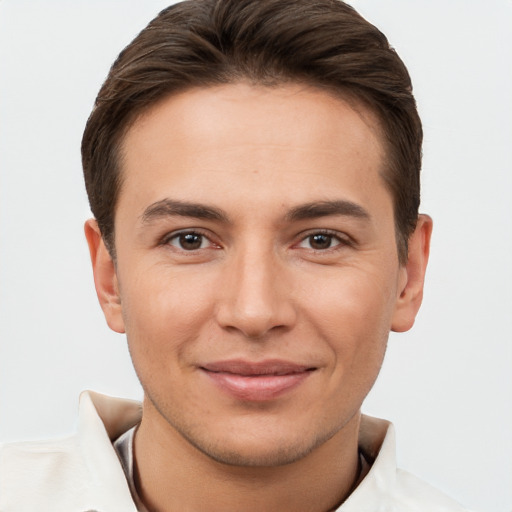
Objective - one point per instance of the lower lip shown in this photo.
(257, 388)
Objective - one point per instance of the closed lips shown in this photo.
(260, 381)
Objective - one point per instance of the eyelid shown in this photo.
(343, 238)
(185, 231)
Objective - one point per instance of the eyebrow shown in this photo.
(327, 208)
(170, 207)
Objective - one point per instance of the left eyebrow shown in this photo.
(327, 208)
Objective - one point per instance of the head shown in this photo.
(253, 169)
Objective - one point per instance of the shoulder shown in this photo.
(78, 473)
(29, 456)
(413, 494)
(30, 472)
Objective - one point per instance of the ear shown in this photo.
(105, 277)
(413, 276)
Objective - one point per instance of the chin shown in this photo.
(255, 456)
(270, 449)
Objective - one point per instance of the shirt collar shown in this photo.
(377, 443)
(100, 415)
(101, 420)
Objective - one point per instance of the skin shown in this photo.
(264, 281)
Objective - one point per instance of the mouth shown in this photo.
(257, 381)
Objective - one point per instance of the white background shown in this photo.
(447, 384)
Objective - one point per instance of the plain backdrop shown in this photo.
(447, 384)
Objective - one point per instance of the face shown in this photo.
(257, 273)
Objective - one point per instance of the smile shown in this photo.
(260, 381)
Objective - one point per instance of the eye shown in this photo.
(320, 241)
(189, 241)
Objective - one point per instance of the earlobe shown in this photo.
(411, 289)
(105, 278)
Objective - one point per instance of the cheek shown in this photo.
(353, 313)
(163, 315)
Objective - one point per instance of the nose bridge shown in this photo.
(255, 298)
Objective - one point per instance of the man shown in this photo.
(253, 169)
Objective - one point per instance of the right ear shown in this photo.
(105, 277)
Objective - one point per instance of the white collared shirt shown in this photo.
(83, 473)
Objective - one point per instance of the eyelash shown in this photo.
(343, 240)
(166, 240)
(333, 235)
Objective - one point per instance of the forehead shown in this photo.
(216, 109)
(239, 132)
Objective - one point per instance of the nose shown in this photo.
(255, 297)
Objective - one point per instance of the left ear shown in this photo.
(413, 276)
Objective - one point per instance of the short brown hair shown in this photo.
(201, 43)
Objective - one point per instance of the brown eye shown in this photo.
(320, 241)
(189, 241)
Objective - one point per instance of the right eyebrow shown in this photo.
(170, 208)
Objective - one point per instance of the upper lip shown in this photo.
(250, 368)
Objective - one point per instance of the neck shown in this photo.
(172, 475)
